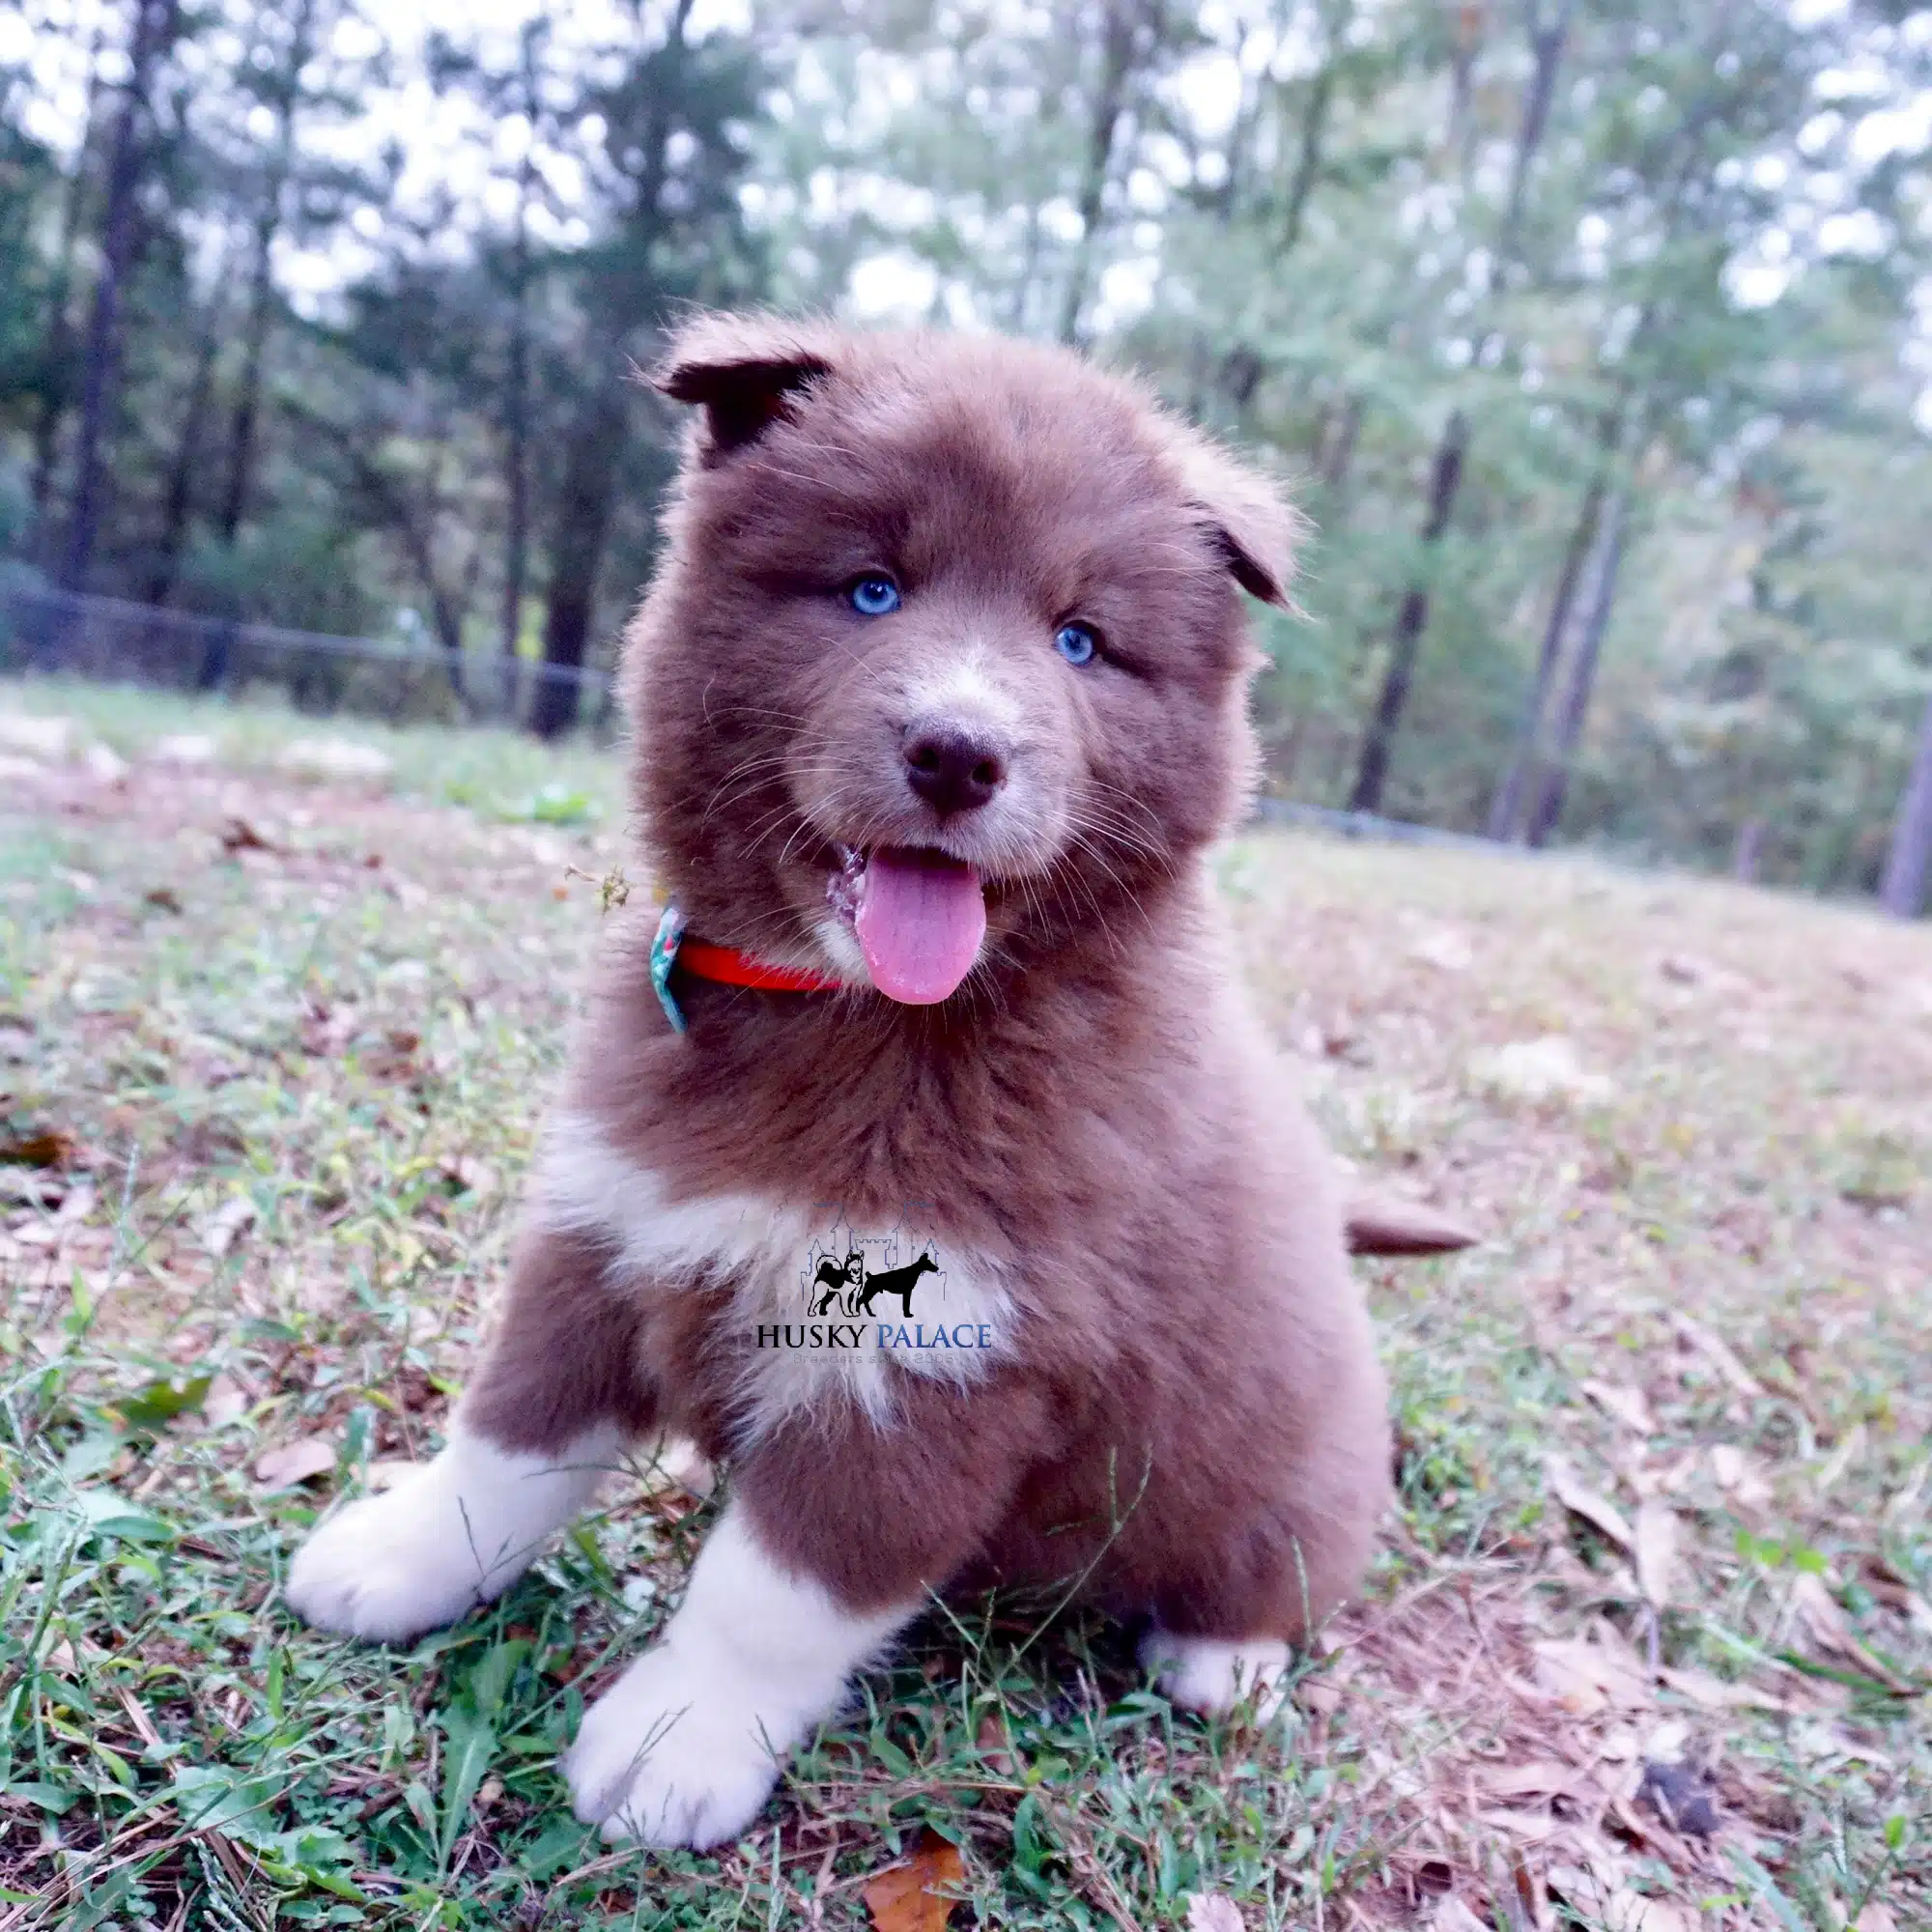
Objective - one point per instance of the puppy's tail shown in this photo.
(1380, 1222)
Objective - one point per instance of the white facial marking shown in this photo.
(757, 1248)
(840, 945)
(1212, 1675)
(451, 1535)
(686, 1747)
(965, 691)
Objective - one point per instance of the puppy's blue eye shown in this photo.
(874, 596)
(1076, 643)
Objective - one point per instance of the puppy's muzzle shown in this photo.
(955, 765)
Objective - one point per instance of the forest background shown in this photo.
(1595, 337)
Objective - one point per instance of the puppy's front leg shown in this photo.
(839, 1528)
(686, 1747)
(543, 1423)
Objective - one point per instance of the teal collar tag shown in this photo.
(664, 956)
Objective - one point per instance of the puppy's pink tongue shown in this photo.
(922, 918)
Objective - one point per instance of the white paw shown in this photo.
(453, 1534)
(1212, 1676)
(389, 1567)
(670, 1759)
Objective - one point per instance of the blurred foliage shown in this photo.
(390, 268)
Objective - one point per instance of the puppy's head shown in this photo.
(947, 649)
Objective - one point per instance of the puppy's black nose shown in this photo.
(953, 770)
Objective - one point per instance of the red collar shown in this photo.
(729, 967)
(726, 964)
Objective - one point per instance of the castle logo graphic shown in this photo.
(866, 1289)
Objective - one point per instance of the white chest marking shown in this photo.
(766, 1254)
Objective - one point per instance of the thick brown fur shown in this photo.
(1186, 1412)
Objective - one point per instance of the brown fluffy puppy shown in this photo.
(940, 693)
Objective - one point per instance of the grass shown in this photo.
(291, 1081)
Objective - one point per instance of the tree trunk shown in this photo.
(53, 389)
(1545, 45)
(1907, 864)
(179, 504)
(1445, 478)
(1460, 131)
(153, 27)
(1749, 850)
(577, 554)
(1308, 160)
(247, 422)
(1576, 707)
(592, 463)
(1338, 444)
(1242, 369)
(248, 390)
(1116, 64)
(1507, 805)
(516, 442)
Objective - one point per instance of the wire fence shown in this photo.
(44, 630)
(107, 640)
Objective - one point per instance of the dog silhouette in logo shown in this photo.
(896, 1281)
(837, 1279)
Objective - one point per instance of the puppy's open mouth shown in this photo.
(919, 918)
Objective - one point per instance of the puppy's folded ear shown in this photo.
(743, 369)
(1253, 526)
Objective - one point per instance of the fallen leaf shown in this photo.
(1718, 1353)
(1451, 1914)
(1598, 1891)
(1830, 1630)
(903, 1898)
(227, 1225)
(1587, 1678)
(1895, 1592)
(184, 748)
(1598, 1511)
(992, 1743)
(143, 1722)
(1214, 1911)
(33, 737)
(1543, 1070)
(1715, 1694)
(1524, 1906)
(1656, 1551)
(239, 836)
(1841, 1458)
(1875, 1919)
(472, 1175)
(1445, 948)
(1738, 1477)
(1629, 1405)
(337, 761)
(299, 1462)
(1691, 969)
(1654, 1915)
(48, 1148)
(394, 1056)
(226, 1402)
(1540, 1778)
